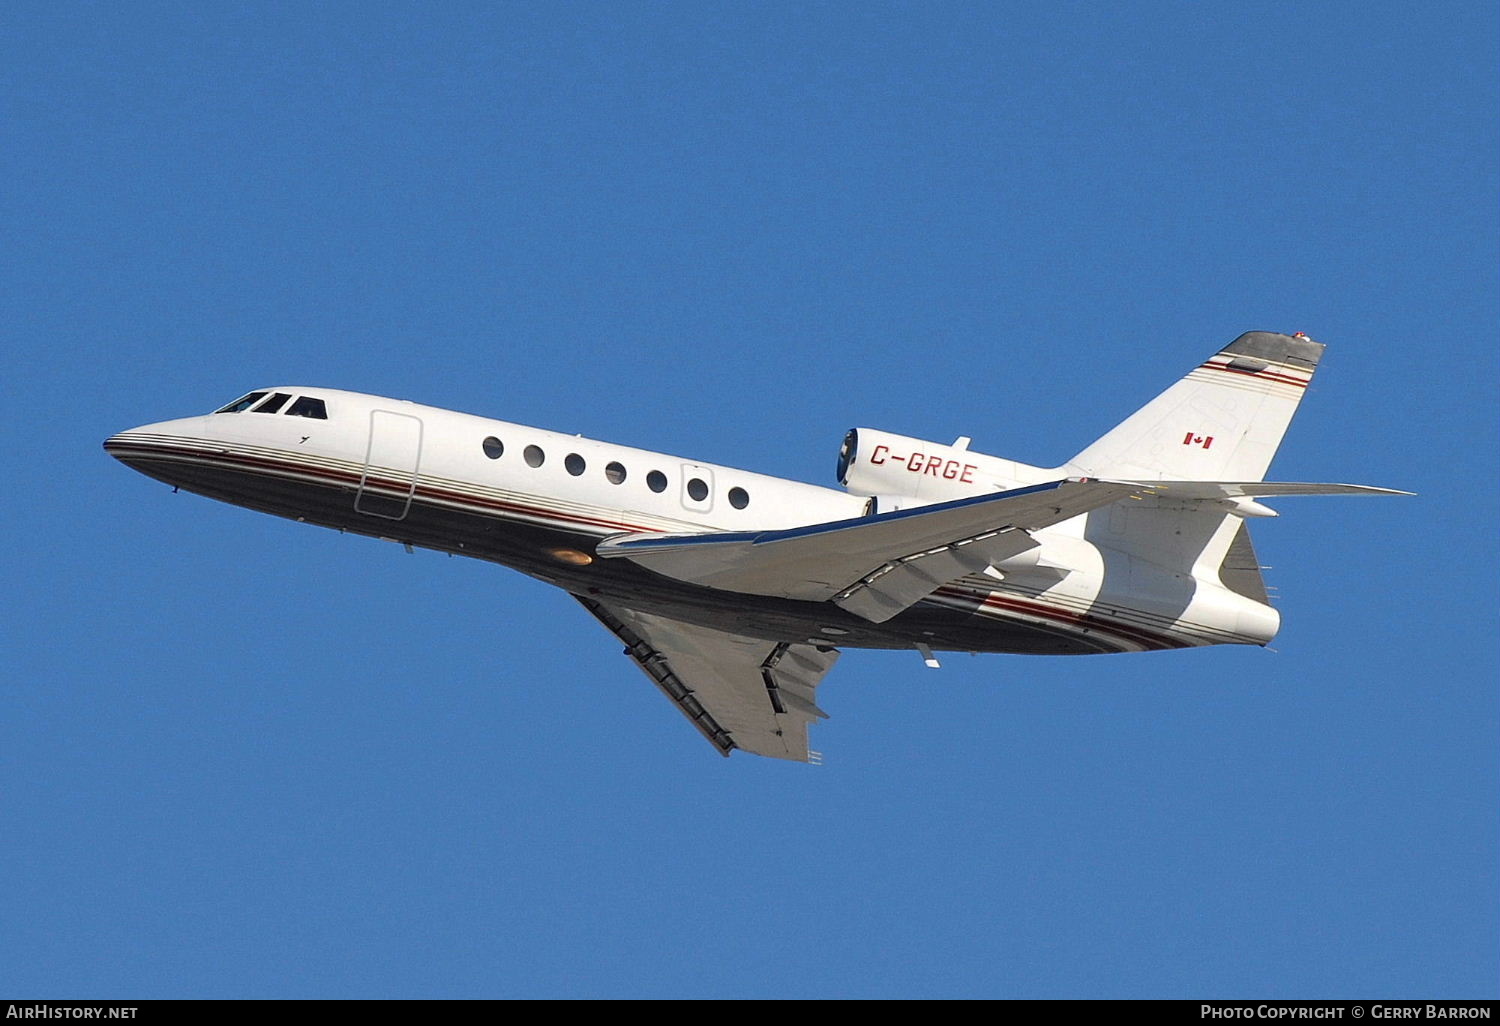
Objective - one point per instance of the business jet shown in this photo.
(734, 592)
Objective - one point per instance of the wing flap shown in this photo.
(896, 585)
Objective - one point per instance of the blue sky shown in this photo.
(244, 758)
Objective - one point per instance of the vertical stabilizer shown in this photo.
(1222, 422)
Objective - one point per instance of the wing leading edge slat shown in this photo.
(654, 664)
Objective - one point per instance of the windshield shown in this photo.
(243, 404)
(305, 406)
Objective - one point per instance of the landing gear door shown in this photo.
(697, 488)
(392, 460)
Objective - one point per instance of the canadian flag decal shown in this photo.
(1192, 439)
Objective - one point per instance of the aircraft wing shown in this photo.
(872, 566)
(739, 692)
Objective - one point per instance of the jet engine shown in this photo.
(901, 472)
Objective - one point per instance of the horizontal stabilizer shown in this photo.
(873, 566)
(1254, 489)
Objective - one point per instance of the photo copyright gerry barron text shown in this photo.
(1348, 1010)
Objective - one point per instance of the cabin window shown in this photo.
(739, 498)
(615, 473)
(656, 481)
(534, 456)
(243, 404)
(494, 448)
(574, 463)
(273, 404)
(697, 490)
(307, 406)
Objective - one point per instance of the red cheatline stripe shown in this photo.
(1071, 619)
(1264, 375)
(423, 491)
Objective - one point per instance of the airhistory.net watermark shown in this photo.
(47, 1011)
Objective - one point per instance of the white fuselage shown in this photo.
(540, 500)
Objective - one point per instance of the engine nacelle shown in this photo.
(903, 472)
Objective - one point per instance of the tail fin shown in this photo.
(1223, 422)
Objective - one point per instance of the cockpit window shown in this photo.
(274, 403)
(243, 404)
(307, 406)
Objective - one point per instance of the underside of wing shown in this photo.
(739, 692)
(872, 566)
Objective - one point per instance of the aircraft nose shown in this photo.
(152, 448)
(120, 446)
(127, 444)
(115, 444)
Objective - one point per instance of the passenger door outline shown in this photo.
(394, 451)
